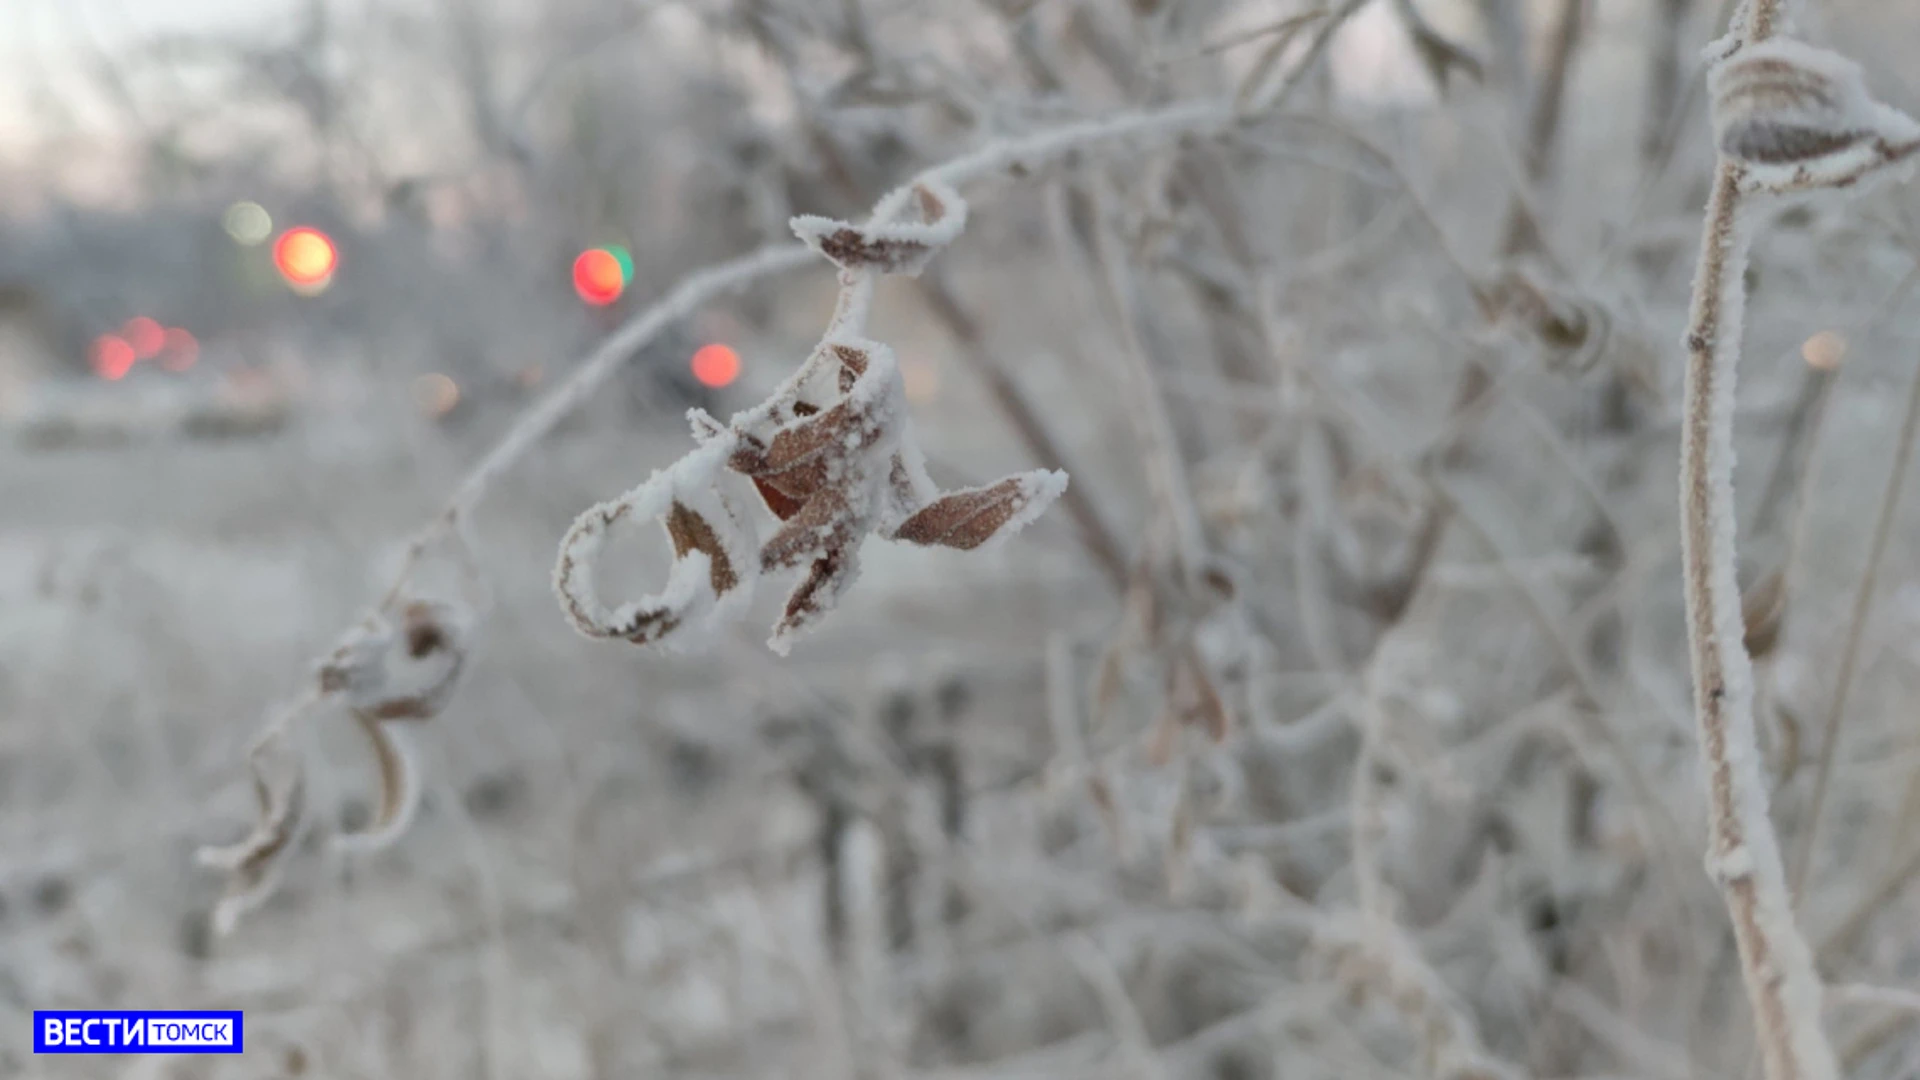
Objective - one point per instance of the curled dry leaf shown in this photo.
(831, 454)
(399, 788)
(254, 863)
(1800, 118)
(890, 247)
(357, 666)
(429, 639)
(403, 662)
(714, 548)
(1573, 330)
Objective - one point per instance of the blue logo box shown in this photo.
(138, 1031)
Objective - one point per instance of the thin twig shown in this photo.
(1543, 128)
(450, 523)
(1890, 997)
(1028, 421)
(1863, 597)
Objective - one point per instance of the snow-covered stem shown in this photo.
(1783, 987)
(1031, 150)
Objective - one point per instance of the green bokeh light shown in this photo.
(625, 258)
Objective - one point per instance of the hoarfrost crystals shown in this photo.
(831, 454)
(1799, 118)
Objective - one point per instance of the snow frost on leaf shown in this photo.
(430, 633)
(822, 474)
(831, 453)
(1801, 118)
(255, 862)
(891, 247)
(970, 518)
(399, 789)
(714, 549)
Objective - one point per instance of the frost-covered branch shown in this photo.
(1787, 117)
(404, 631)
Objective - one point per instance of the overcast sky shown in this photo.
(42, 39)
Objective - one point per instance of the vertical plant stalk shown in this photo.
(1663, 77)
(1028, 422)
(1863, 597)
(1743, 853)
(1543, 129)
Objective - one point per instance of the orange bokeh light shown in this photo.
(146, 336)
(179, 350)
(715, 365)
(598, 277)
(112, 357)
(305, 256)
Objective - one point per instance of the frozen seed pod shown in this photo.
(1800, 118)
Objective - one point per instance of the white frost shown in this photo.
(1800, 118)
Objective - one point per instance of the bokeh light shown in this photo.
(112, 357)
(435, 395)
(179, 349)
(145, 335)
(248, 223)
(1824, 350)
(715, 365)
(598, 276)
(920, 378)
(306, 257)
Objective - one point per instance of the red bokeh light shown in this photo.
(145, 335)
(112, 357)
(305, 256)
(178, 350)
(598, 277)
(715, 365)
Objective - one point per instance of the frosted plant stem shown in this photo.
(1743, 854)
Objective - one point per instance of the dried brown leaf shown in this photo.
(827, 523)
(691, 532)
(279, 785)
(826, 579)
(399, 788)
(964, 519)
